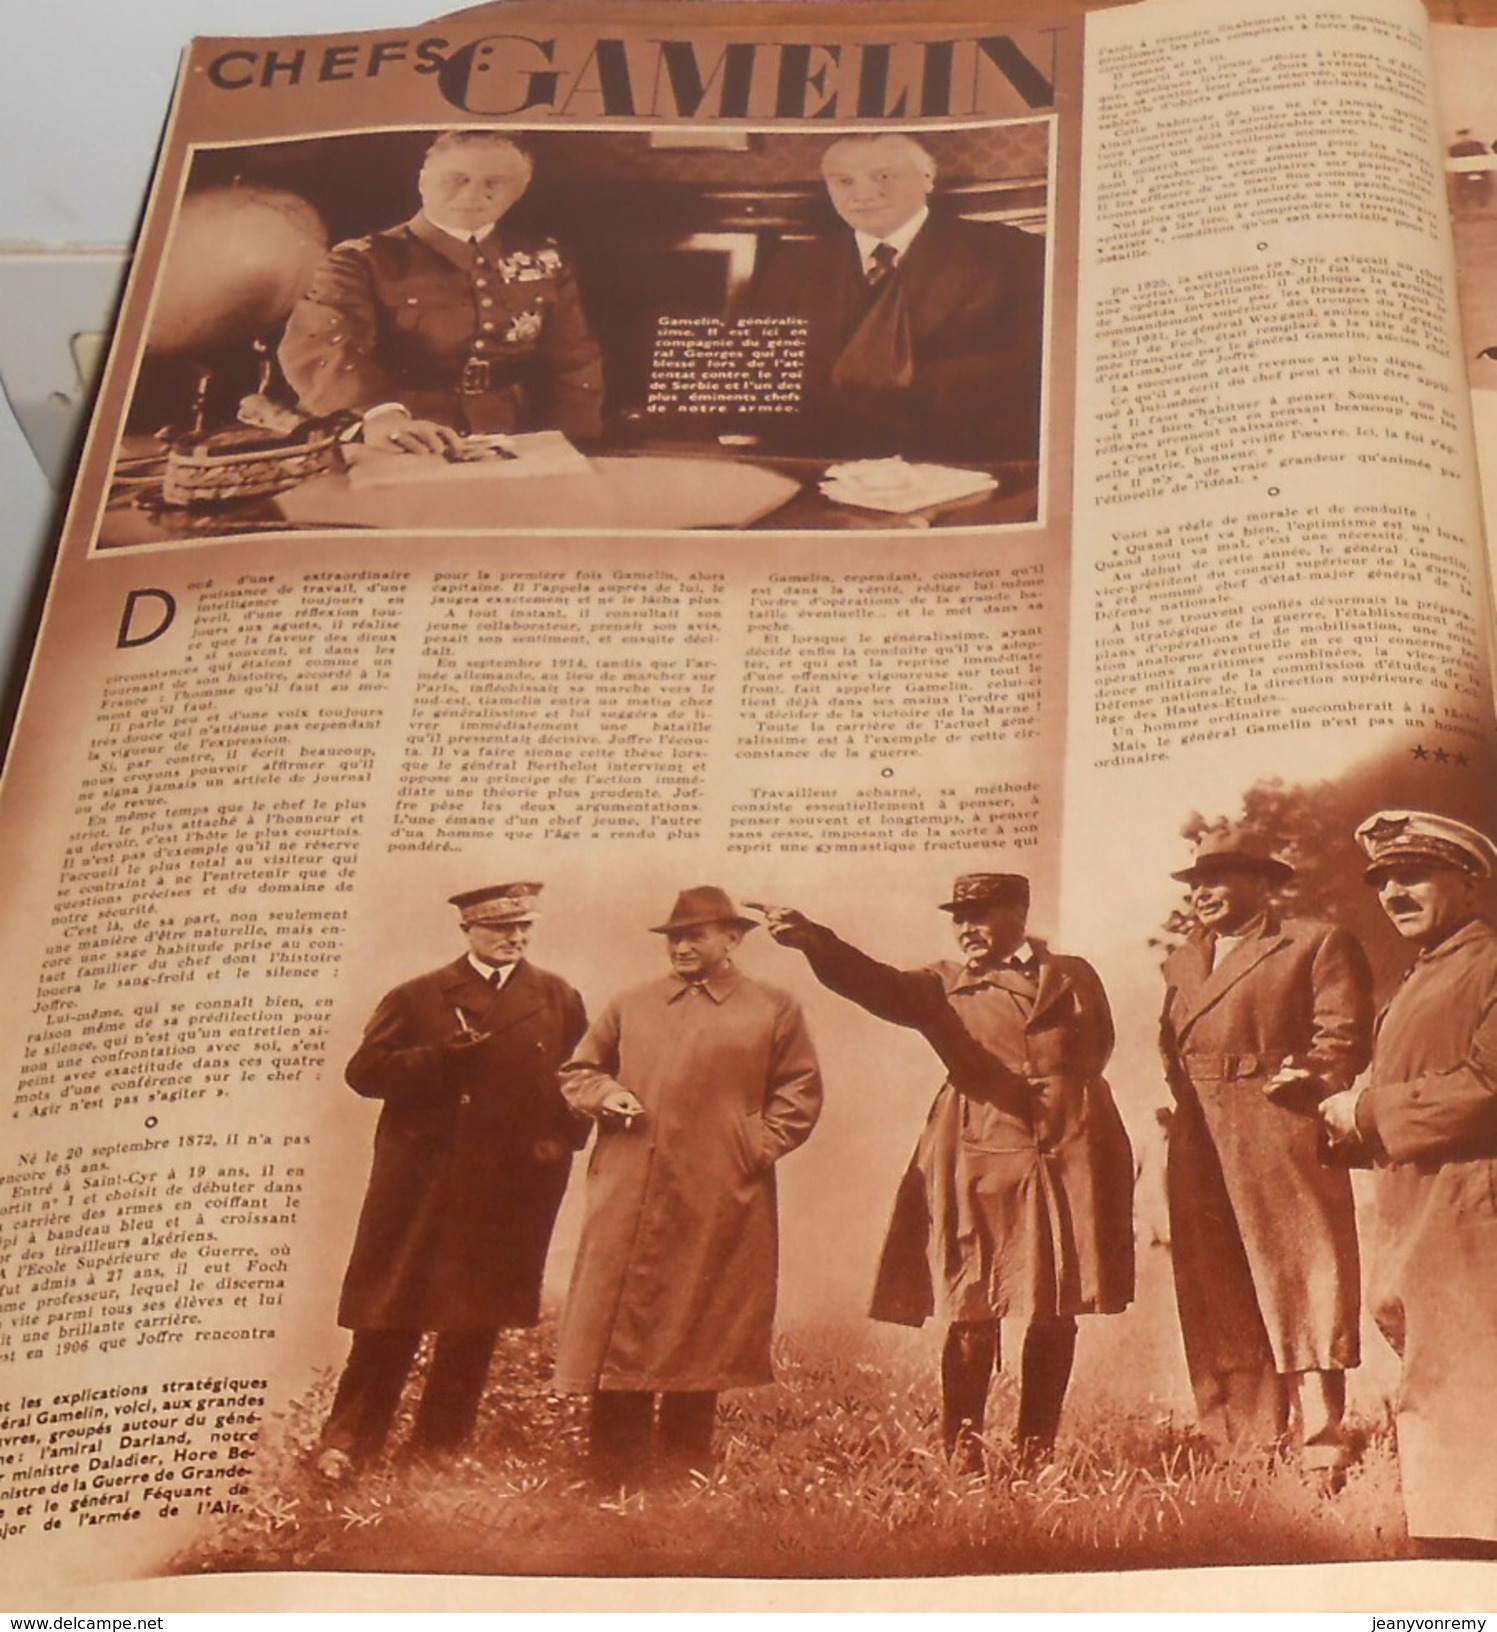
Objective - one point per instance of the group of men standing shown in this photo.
(1268, 1024)
(1017, 1204)
(697, 1083)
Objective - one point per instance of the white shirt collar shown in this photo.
(487, 971)
(463, 235)
(899, 240)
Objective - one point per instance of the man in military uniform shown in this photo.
(471, 1158)
(1018, 1201)
(448, 325)
(1264, 1016)
(1428, 1117)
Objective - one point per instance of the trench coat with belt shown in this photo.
(1430, 1115)
(471, 1154)
(676, 1276)
(1262, 1228)
(1019, 1197)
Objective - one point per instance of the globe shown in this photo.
(239, 259)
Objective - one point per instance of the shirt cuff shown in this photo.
(381, 409)
(1363, 1115)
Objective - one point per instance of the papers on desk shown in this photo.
(897, 487)
(529, 453)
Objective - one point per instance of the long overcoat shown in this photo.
(1019, 1197)
(492, 339)
(1430, 1113)
(1262, 1227)
(471, 1154)
(676, 1275)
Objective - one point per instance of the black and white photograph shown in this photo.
(801, 1318)
(752, 831)
(477, 329)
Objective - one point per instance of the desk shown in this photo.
(646, 490)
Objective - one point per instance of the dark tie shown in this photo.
(881, 264)
(496, 978)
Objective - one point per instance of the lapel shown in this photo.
(1054, 987)
(1198, 990)
(467, 993)
(845, 297)
(938, 274)
(1469, 934)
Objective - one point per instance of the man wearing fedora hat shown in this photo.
(700, 1082)
(471, 1158)
(1428, 1117)
(1264, 1016)
(1018, 1202)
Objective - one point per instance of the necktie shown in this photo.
(881, 264)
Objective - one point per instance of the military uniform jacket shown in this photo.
(942, 362)
(1019, 1197)
(1262, 1228)
(486, 339)
(1430, 1114)
(677, 1272)
(460, 1203)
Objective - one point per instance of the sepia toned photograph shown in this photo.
(753, 829)
(1042, 1336)
(469, 330)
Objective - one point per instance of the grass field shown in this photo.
(836, 1470)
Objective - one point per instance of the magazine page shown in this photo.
(515, 518)
(541, 786)
(1280, 710)
(1463, 60)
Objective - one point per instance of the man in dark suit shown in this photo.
(448, 324)
(925, 331)
(1265, 1016)
(471, 1158)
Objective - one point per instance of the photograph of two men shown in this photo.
(717, 329)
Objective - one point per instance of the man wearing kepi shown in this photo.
(447, 324)
(1264, 1017)
(1428, 1115)
(701, 1082)
(471, 1157)
(924, 329)
(1018, 1202)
